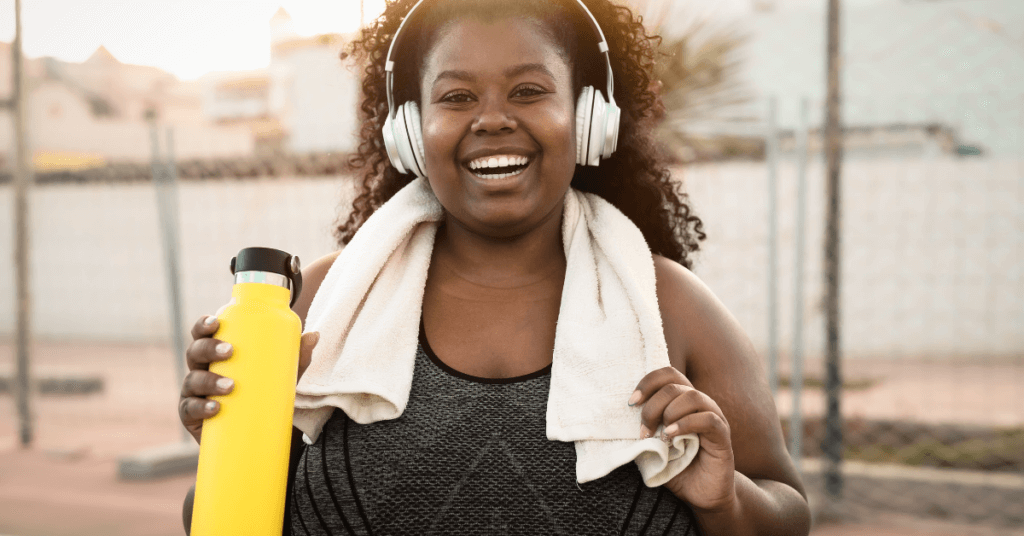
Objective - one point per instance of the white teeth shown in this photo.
(499, 175)
(498, 161)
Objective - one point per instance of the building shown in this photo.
(305, 101)
(83, 115)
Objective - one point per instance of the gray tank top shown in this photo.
(468, 456)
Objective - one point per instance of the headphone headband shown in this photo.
(389, 65)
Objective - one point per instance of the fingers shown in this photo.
(667, 397)
(193, 410)
(712, 428)
(656, 380)
(652, 414)
(194, 407)
(202, 352)
(205, 327)
(202, 383)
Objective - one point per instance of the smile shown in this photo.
(498, 166)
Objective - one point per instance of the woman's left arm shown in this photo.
(742, 480)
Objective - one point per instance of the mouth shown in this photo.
(498, 166)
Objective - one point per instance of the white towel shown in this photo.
(608, 337)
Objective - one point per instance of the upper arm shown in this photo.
(707, 344)
(312, 276)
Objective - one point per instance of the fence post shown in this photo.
(796, 426)
(833, 442)
(165, 182)
(22, 182)
(771, 155)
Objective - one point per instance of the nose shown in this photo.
(494, 118)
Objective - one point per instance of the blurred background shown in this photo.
(163, 138)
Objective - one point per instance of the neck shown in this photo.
(505, 263)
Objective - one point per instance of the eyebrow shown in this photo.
(511, 72)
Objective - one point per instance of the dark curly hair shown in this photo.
(634, 179)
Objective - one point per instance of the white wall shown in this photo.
(933, 252)
(97, 264)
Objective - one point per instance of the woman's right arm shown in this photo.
(200, 382)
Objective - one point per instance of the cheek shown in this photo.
(440, 138)
(559, 131)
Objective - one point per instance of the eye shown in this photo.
(527, 91)
(457, 97)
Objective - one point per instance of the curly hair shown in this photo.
(635, 179)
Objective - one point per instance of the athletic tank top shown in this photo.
(470, 456)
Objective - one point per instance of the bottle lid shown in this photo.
(270, 260)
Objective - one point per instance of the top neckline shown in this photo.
(469, 377)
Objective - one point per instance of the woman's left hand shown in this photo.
(669, 398)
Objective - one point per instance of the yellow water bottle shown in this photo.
(242, 476)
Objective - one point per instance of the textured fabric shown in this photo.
(609, 333)
(468, 456)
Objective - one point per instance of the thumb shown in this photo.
(308, 342)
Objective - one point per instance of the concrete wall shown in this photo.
(933, 263)
(932, 254)
(97, 265)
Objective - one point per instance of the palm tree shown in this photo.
(699, 74)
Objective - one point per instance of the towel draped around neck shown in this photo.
(609, 332)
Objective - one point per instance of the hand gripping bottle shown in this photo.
(242, 476)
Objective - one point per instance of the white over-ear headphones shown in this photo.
(597, 119)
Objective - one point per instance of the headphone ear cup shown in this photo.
(388, 132)
(614, 116)
(598, 120)
(584, 107)
(415, 128)
(402, 145)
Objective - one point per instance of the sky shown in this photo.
(184, 37)
(191, 37)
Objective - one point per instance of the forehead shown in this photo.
(473, 44)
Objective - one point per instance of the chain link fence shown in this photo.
(931, 295)
(102, 306)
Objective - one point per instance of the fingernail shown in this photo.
(671, 429)
(225, 383)
(315, 337)
(223, 348)
(211, 405)
(634, 398)
(209, 320)
(644, 432)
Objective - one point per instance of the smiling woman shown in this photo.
(531, 208)
(634, 179)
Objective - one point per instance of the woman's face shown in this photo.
(498, 93)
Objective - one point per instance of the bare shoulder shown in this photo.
(690, 312)
(708, 339)
(719, 359)
(312, 276)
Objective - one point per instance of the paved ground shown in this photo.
(66, 484)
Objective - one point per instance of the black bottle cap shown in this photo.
(270, 260)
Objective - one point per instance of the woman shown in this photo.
(495, 79)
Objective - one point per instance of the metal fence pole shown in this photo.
(771, 154)
(833, 442)
(165, 181)
(22, 183)
(796, 426)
